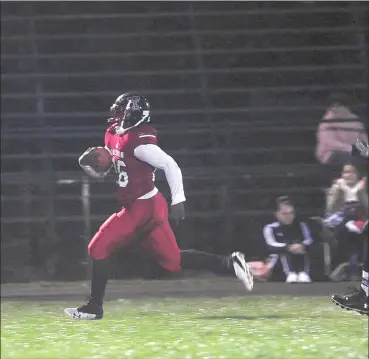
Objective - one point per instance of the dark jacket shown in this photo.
(278, 236)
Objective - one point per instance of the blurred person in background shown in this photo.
(357, 300)
(288, 239)
(346, 213)
(338, 130)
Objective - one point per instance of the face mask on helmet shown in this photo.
(118, 114)
(116, 111)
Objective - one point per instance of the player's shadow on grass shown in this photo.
(244, 317)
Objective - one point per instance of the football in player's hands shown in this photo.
(99, 158)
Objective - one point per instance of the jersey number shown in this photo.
(122, 175)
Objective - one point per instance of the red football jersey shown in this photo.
(135, 178)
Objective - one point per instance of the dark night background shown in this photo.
(237, 90)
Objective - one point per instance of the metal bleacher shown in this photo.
(237, 90)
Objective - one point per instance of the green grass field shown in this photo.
(239, 327)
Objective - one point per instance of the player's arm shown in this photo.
(156, 157)
(87, 161)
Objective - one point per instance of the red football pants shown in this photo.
(147, 217)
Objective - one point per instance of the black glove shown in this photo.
(177, 212)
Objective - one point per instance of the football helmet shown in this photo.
(129, 110)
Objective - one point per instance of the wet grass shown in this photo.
(237, 327)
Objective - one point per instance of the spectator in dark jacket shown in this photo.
(288, 240)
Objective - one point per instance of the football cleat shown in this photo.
(89, 311)
(354, 301)
(242, 270)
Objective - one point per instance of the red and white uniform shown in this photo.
(136, 155)
(135, 158)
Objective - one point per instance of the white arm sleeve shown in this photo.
(156, 157)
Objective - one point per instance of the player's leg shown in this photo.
(364, 281)
(162, 242)
(358, 299)
(115, 232)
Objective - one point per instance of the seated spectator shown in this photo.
(346, 214)
(338, 130)
(288, 240)
(349, 188)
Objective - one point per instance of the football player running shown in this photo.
(133, 145)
